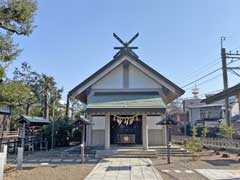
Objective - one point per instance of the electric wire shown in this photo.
(204, 82)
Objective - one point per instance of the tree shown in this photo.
(8, 52)
(62, 132)
(13, 93)
(50, 93)
(31, 79)
(204, 132)
(204, 135)
(227, 131)
(194, 145)
(16, 17)
(43, 88)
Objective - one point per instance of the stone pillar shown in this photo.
(5, 152)
(107, 131)
(145, 131)
(20, 158)
(2, 163)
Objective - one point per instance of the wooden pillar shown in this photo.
(89, 131)
(107, 131)
(82, 144)
(67, 106)
(165, 135)
(23, 135)
(8, 124)
(145, 131)
(238, 102)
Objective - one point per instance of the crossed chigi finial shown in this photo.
(126, 46)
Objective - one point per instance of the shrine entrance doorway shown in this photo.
(125, 129)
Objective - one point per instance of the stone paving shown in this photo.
(183, 168)
(216, 174)
(54, 161)
(124, 169)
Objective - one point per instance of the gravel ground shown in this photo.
(180, 166)
(51, 172)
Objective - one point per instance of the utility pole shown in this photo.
(225, 56)
(225, 81)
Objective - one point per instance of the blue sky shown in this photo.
(74, 38)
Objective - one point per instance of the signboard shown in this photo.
(5, 109)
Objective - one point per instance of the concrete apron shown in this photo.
(124, 168)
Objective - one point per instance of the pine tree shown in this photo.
(16, 17)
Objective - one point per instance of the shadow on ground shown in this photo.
(222, 162)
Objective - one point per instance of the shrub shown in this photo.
(194, 145)
(62, 132)
(227, 131)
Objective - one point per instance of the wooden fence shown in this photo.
(212, 143)
(9, 134)
(30, 144)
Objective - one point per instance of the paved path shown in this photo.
(124, 169)
(216, 174)
(53, 160)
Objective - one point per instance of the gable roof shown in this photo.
(136, 59)
(221, 95)
(135, 100)
(31, 120)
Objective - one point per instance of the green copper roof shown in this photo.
(33, 120)
(126, 100)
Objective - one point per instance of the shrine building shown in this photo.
(125, 99)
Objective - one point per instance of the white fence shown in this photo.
(214, 143)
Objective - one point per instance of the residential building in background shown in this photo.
(200, 114)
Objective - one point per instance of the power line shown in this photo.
(206, 81)
(211, 92)
(206, 75)
(203, 68)
(198, 73)
(204, 94)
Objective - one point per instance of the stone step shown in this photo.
(130, 152)
(136, 152)
(109, 153)
(172, 151)
(134, 156)
(162, 154)
(172, 154)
